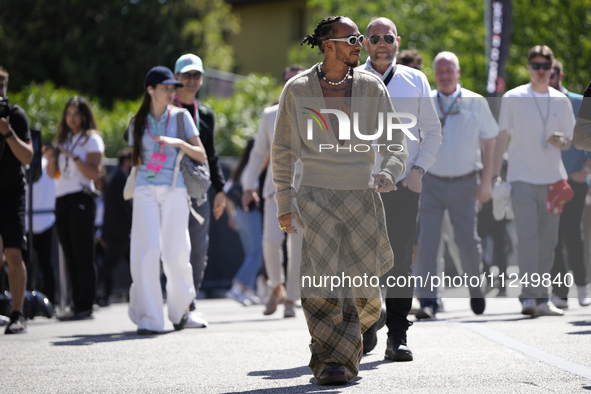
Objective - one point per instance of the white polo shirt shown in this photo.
(410, 93)
(459, 153)
(531, 158)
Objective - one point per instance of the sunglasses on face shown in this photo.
(536, 65)
(194, 76)
(351, 40)
(388, 39)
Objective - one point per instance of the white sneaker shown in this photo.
(196, 321)
(262, 288)
(559, 302)
(251, 296)
(528, 306)
(237, 295)
(584, 296)
(549, 309)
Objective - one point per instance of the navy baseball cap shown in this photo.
(161, 75)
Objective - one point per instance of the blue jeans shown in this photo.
(250, 230)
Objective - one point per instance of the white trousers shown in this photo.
(272, 252)
(160, 231)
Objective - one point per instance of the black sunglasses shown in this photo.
(536, 65)
(388, 39)
(195, 75)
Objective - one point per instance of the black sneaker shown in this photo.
(397, 350)
(17, 324)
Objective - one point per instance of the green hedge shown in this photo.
(237, 118)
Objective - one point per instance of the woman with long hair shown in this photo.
(76, 165)
(249, 226)
(159, 229)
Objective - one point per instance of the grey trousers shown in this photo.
(537, 234)
(459, 198)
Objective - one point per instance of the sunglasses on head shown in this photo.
(388, 39)
(76, 99)
(195, 75)
(536, 65)
(351, 40)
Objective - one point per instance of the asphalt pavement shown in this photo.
(243, 351)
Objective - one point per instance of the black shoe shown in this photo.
(17, 324)
(333, 376)
(425, 313)
(478, 305)
(397, 351)
(370, 339)
(79, 315)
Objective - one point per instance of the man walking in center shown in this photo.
(410, 93)
(341, 215)
(468, 129)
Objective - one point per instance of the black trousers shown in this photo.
(75, 214)
(570, 237)
(116, 249)
(401, 207)
(42, 243)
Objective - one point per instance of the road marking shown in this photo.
(528, 350)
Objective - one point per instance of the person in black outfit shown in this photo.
(76, 168)
(15, 150)
(116, 225)
(189, 70)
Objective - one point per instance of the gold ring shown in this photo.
(282, 227)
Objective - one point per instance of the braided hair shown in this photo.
(321, 32)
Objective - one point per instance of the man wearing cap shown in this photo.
(540, 121)
(189, 71)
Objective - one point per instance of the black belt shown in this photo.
(455, 178)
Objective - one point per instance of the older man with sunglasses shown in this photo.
(540, 121)
(409, 91)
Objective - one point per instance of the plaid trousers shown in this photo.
(345, 236)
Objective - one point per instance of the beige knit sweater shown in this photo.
(346, 168)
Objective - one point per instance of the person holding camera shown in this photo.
(76, 164)
(15, 150)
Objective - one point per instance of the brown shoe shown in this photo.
(333, 376)
(273, 300)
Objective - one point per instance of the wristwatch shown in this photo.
(10, 134)
(421, 170)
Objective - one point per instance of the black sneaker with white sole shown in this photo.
(17, 324)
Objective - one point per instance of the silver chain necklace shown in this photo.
(330, 82)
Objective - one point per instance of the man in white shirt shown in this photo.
(273, 236)
(410, 93)
(452, 182)
(540, 121)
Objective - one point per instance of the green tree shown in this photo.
(431, 26)
(237, 118)
(44, 105)
(106, 47)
